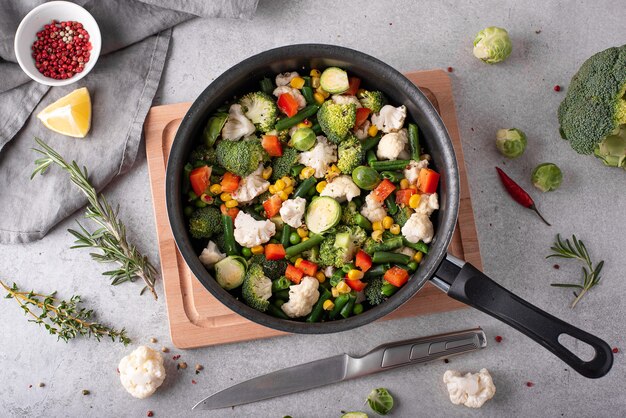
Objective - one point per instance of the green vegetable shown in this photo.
(287, 123)
(296, 169)
(347, 309)
(304, 245)
(213, 128)
(492, 45)
(350, 216)
(276, 311)
(373, 292)
(365, 177)
(412, 266)
(230, 272)
(339, 248)
(202, 156)
(389, 165)
(370, 157)
(357, 309)
(334, 80)
(417, 246)
(340, 302)
(414, 141)
(307, 92)
(303, 139)
(380, 400)
(336, 120)
(547, 177)
(511, 142)
(370, 143)
(261, 109)
(592, 116)
(294, 238)
(354, 414)
(322, 214)
(256, 289)
(230, 246)
(402, 215)
(241, 157)
(305, 187)
(380, 257)
(373, 100)
(246, 252)
(273, 269)
(390, 202)
(350, 154)
(279, 284)
(390, 244)
(282, 166)
(285, 235)
(388, 289)
(205, 222)
(377, 271)
(318, 308)
(392, 176)
(267, 86)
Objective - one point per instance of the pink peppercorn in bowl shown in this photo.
(49, 52)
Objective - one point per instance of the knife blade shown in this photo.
(344, 367)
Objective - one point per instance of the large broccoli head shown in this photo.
(206, 222)
(261, 109)
(241, 157)
(273, 269)
(350, 153)
(256, 289)
(281, 166)
(595, 107)
(339, 248)
(336, 120)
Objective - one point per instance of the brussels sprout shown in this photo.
(612, 150)
(303, 139)
(492, 45)
(547, 177)
(511, 142)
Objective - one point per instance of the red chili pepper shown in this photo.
(518, 194)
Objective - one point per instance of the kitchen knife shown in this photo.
(343, 367)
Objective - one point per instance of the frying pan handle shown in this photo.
(472, 287)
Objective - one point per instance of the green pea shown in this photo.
(294, 238)
(247, 252)
(412, 266)
(357, 309)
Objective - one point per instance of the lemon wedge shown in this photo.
(70, 115)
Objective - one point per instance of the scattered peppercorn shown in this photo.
(193, 382)
(498, 339)
(538, 31)
(445, 360)
(30, 386)
(165, 349)
(86, 392)
(557, 88)
(450, 69)
(530, 384)
(556, 266)
(176, 357)
(150, 414)
(615, 350)
(153, 340)
(41, 384)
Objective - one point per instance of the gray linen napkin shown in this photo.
(136, 37)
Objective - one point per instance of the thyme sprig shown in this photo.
(575, 249)
(63, 318)
(110, 238)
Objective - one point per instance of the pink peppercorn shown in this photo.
(557, 88)
(58, 47)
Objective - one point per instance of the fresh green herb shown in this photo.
(577, 250)
(110, 237)
(63, 318)
(380, 400)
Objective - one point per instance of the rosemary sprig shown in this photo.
(110, 237)
(577, 250)
(63, 318)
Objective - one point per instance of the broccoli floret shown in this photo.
(336, 120)
(241, 157)
(370, 245)
(402, 215)
(281, 166)
(205, 222)
(273, 269)
(350, 153)
(256, 289)
(595, 106)
(339, 248)
(260, 109)
(373, 291)
(204, 154)
(373, 100)
(348, 212)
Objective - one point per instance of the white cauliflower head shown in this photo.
(211, 255)
(389, 119)
(284, 79)
(295, 93)
(428, 204)
(341, 188)
(345, 99)
(142, 372)
(373, 210)
(320, 157)
(249, 232)
(251, 186)
(237, 125)
(302, 297)
(412, 171)
(392, 146)
(292, 211)
(471, 390)
(418, 227)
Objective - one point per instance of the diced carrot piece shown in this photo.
(383, 190)
(230, 182)
(272, 206)
(288, 104)
(294, 274)
(274, 251)
(308, 267)
(272, 145)
(232, 212)
(396, 276)
(427, 180)
(404, 195)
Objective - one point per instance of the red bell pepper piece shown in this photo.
(272, 206)
(287, 104)
(294, 274)
(272, 145)
(363, 261)
(404, 195)
(354, 83)
(427, 180)
(200, 179)
(232, 212)
(396, 276)
(361, 116)
(308, 267)
(274, 251)
(356, 285)
(384, 189)
(230, 182)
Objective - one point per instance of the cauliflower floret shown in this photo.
(390, 119)
(341, 188)
(211, 255)
(328, 271)
(142, 372)
(362, 131)
(320, 157)
(238, 125)
(346, 99)
(249, 232)
(428, 204)
(406, 251)
(285, 78)
(292, 211)
(373, 210)
(413, 170)
(471, 390)
(295, 93)
(418, 227)
(251, 186)
(302, 297)
(393, 146)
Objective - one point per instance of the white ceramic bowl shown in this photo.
(42, 15)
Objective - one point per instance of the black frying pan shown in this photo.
(458, 279)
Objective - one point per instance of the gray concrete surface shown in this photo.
(409, 36)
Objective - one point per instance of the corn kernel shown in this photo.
(320, 277)
(280, 185)
(414, 201)
(319, 99)
(302, 232)
(283, 195)
(372, 130)
(305, 124)
(323, 92)
(226, 197)
(315, 73)
(307, 172)
(297, 82)
(298, 261)
(404, 184)
(257, 249)
(320, 186)
(288, 190)
(335, 169)
(215, 189)
(305, 239)
(231, 203)
(288, 181)
(387, 222)
(377, 235)
(272, 189)
(266, 173)
(355, 274)
(315, 82)
(377, 226)
(395, 229)
(328, 305)
(334, 292)
(418, 257)
(342, 287)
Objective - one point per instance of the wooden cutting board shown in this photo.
(196, 318)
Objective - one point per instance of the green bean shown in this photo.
(287, 123)
(192, 195)
(376, 271)
(386, 257)
(363, 222)
(417, 246)
(304, 187)
(388, 289)
(250, 211)
(414, 142)
(387, 245)
(392, 176)
(340, 302)
(370, 143)
(370, 156)
(304, 245)
(388, 165)
(307, 92)
(390, 202)
(412, 266)
(282, 294)
(347, 267)
(296, 169)
(317, 128)
(347, 309)
(284, 236)
(279, 284)
(357, 309)
(318, 308)
(267, 86)
(230, 246)
(277, 312)
(307, 80)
